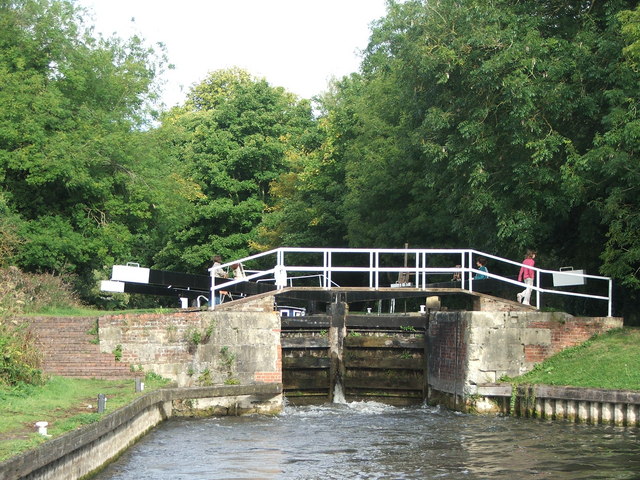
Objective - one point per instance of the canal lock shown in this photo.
(336, 357)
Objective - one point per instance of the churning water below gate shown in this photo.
(373, 441)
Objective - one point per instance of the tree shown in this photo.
(231, 138)
(609, 173)
(74, 161)
(480, 106)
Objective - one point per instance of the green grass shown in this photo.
(64, 403)
(88, 312)
(610, 361)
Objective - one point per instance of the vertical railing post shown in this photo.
(371, 268)
(280, 257)
(328, 261)
(377, 256)
(538, 292)
(280, 271)
(610, 309)
(212, 301)
(470, 260)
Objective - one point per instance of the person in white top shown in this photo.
(217, 271)
(238, 271)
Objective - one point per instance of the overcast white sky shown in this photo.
(297, 44)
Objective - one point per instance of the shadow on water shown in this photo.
(368, 440)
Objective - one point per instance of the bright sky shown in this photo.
(296, 44)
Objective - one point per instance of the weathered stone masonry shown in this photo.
(469, 349)
(200, 347)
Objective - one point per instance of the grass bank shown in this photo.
(610, 360)
(66, 403)
(88, 312)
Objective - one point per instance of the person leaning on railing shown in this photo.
(219, 272)
(481, 263)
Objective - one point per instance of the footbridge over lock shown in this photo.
(366, 275)
(395, 325)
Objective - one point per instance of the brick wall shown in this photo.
(500, 343)
(447, 351)
(200, 347)
(69, 348)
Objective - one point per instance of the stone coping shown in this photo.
(48, 452)
(579, 394)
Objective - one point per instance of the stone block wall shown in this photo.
(199, 348)
(493, 344)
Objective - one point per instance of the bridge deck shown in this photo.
(365, 294)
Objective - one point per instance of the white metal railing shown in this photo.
(325, 264)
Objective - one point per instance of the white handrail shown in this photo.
(420, 269)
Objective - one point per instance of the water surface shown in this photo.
(374, 441)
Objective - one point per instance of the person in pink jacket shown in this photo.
(527, 275)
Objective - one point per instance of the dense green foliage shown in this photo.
(76, 172)
(499, 125)
(231, 139)
(23, 293)
(19, 359)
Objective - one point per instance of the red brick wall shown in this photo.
(447, 352)
(566, 331)
(467, 349)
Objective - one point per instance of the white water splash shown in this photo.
(338, 394)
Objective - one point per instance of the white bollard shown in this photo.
(42, 428)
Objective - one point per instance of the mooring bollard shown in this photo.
(102, 402)
(42, 428)
(139, 385)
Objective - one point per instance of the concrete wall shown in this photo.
(83, 451)
(468, 349)
(572, 404)
(200, 347)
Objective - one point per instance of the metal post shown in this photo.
(610, 313)
(470, 273)
(377, 272)
(371, 268)
(102, 402)
(538, 293)
(212, 303)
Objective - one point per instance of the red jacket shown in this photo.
(526, 272)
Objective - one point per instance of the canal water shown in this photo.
(374, 441)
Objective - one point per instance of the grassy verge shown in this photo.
(610, 361)
(88, 312)
(66, 403)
